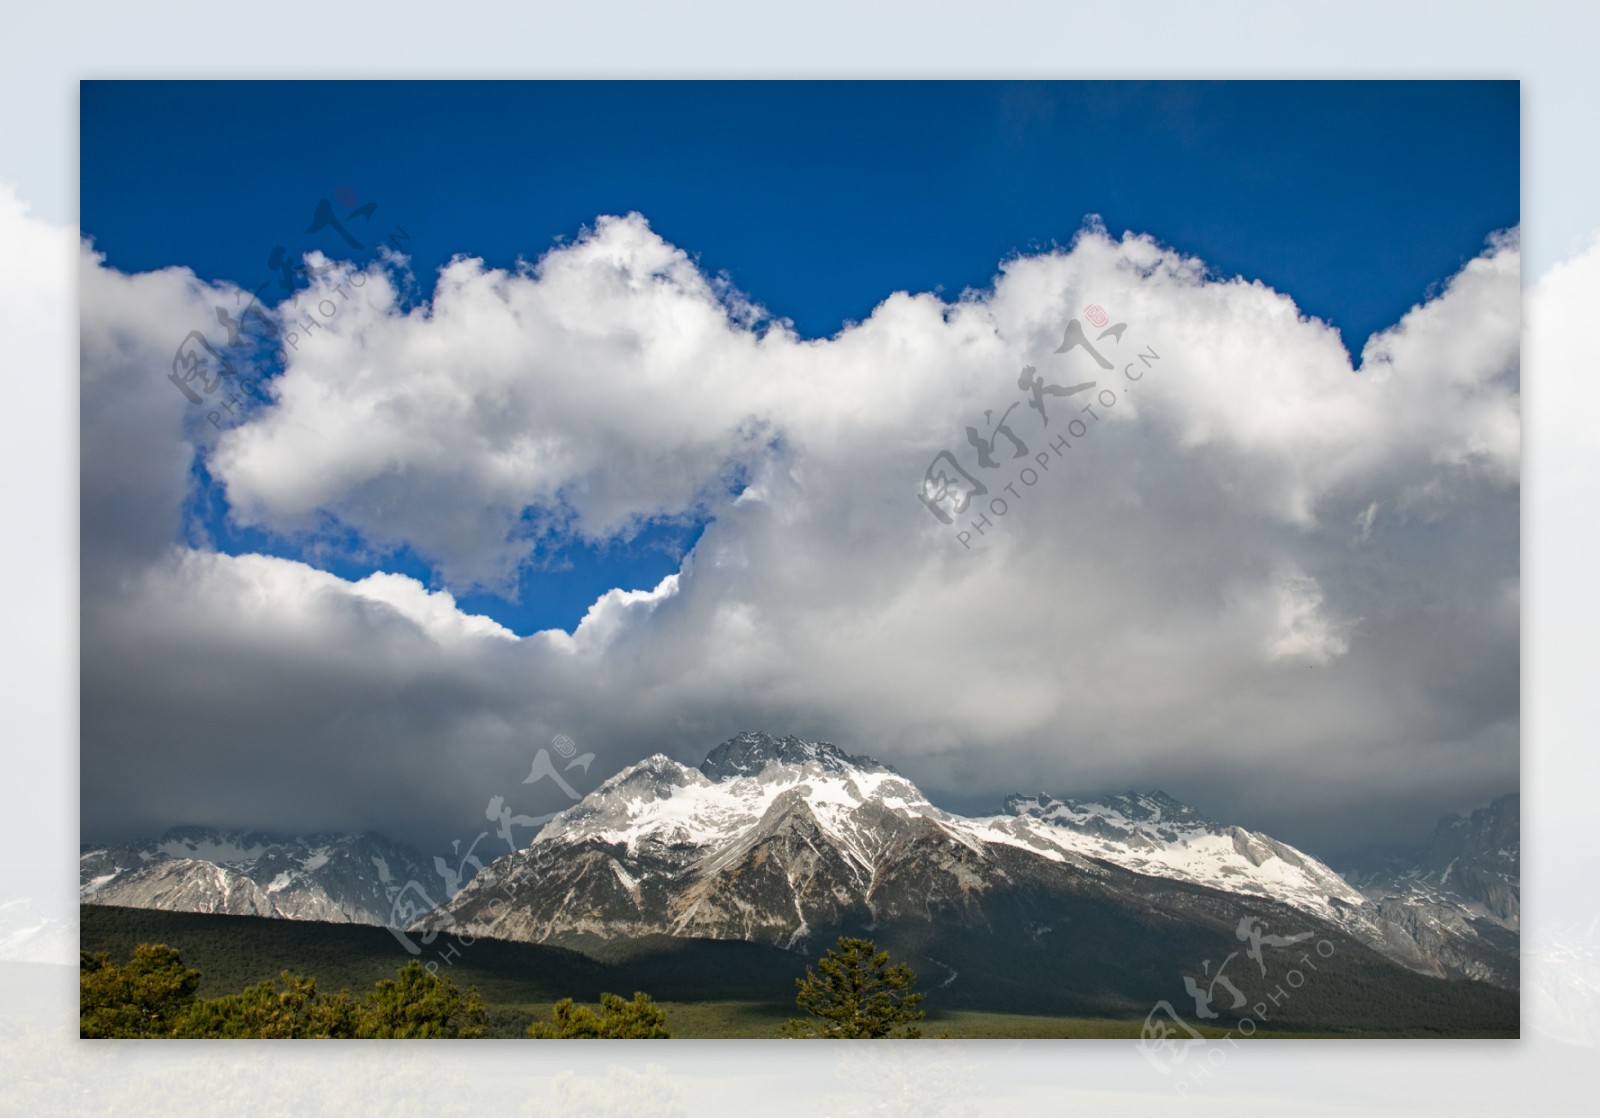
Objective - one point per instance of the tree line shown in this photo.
(153, 995)
(854, 992)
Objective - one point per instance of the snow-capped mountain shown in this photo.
(345, 878)
(767, 839)
(785, 842)
(1410, 916)
(1152, 833)
(778, 840)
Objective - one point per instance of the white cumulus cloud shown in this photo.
(1275, 584)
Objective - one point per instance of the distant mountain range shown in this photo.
(788, 843)
(1459, 896)
(345, 878)
(1471, 862)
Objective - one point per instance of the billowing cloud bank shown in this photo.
(1278, 587)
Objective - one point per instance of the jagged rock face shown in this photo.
(1472, 859)
(1461, 945)
(749, 754)
(1479, 858)
(1459, 897)
(1127, 817)
(782, 841)
(1439, 940)
(351, 879)
(189, 886)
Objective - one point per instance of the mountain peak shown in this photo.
(750, 753)
(1118, 815)
(658, 771)
(1152, 806)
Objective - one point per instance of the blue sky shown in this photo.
(816, 199)
(1259, 573)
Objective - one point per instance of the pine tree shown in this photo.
(858, 994)
(153, 995)
(418, 1003)
(618, 1018)
(297, 1010)
(147, 997)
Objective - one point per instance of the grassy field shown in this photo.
(736, 1018)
